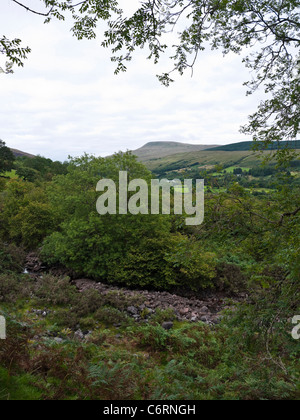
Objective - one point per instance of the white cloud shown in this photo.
(67, 100)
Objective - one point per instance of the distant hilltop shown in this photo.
(160, 149)
(19, 153)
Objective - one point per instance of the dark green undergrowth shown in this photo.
(42, 359)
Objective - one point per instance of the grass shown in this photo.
(231, 169)
(17, 387)
(183, 190)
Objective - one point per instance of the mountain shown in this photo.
(159, 149)
(164, 157)
(19, 153)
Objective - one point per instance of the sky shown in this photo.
(67, 101)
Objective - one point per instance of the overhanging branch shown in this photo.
(34, 11)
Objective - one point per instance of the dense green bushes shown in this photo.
(26, 216)
(132, 250)
(11, 258)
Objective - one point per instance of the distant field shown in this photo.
(202, 159)
(231, 169)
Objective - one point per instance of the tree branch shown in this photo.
(294, 213)
(33, 11)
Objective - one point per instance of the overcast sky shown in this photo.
(67, 100)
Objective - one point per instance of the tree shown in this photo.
(26, 216)
(6, 158)
(269, 30)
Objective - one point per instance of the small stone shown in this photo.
(184, 311)
(132, 310)
(79, 335)
(167, 325)
(204, 309)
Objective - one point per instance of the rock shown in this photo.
(167, 325)
(78, 335)
(132, 310)
(184, 311)
(150, 311)
(204, 309)
(194, 318)
(58, 340)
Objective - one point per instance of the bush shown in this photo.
(12, 258)
(87, 302)
(193, 267)
(230, 277)
(110, 316)
(9, 288)
(14, 287)
(121, 300)
(165, 315)
(55, 290)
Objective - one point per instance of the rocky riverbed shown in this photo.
(193, 309)
(186, 309)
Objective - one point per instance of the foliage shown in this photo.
(194, 267)
(14, 53)
(55, 291)
(39, 168)
(26, 216)
(110, 316)
(247, 243)
(124, 249)
(6, 158)
(11, 258)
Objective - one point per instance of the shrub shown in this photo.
(87, 302)
(230, 277)
(110, 316)
(55, 290)
(14, 287)
(193, 267)
(121, 300)
(161, 316)
(12, 258)
(9, 287)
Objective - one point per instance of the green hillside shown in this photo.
(247, 146)
(203, 159)
(164, 157)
